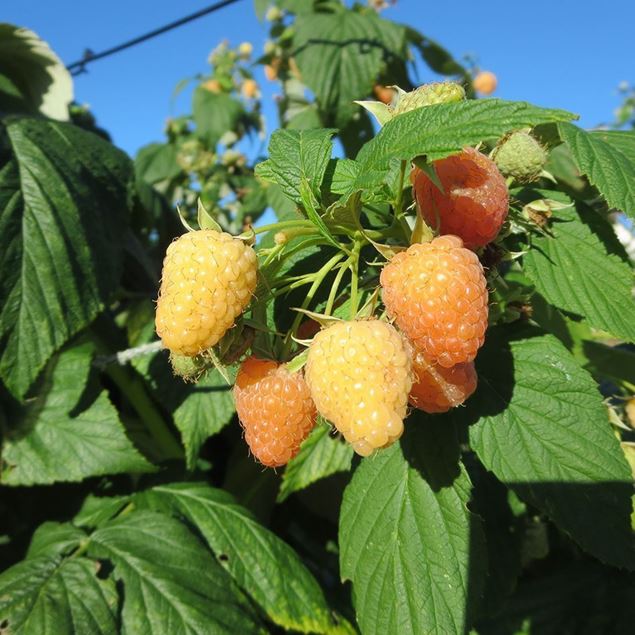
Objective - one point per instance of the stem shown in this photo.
(336, 284)
(317, 281)
(402, 175)
(284, 224)
(354, 267)
(134, 390)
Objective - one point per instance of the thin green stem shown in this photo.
(284, 224)
(334, 289)
(354, 267)
(402, 176)
(317, 281)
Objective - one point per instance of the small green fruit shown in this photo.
(188, 368)
(428, 95)
(520, 156)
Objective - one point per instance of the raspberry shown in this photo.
(485, 82)
(437, 294)
(437, 389)
(519, 155)
(275, 409)
(474, 202)
(208, 280)
(189, 368)
(359, 374)
(429, 94)
(250, 89)
(385, 94)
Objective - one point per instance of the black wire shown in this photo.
(79, 67)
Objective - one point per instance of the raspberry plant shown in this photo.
(400, 267)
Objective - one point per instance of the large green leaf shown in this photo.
(40, 78)
(214, 114)
(68, 432)
(541, 427)
(49, 596)
(341, 54)
(580, 267)
(262, 564)
(171, 584)
(54, 539)
(157, 162)
(296, 156)
(63, 211)
(320, 455)
(206, 410)
(408, 542)
(444, 129)
(608, 160)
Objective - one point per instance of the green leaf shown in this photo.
(435, 56)
(541, 428)
(68, 432)
(54, 539)
(214, 114)
(171, 584)
(320, 455)
(96, 510)
(262, 564)
(344, 173)
(608, 160)
(580, 267)
(341, 54)
(610, 361)
(295, 155)
(49, 596)
(157, 162)
(44, 84)
(443, 129)
(408, 542)
(63, 211)
(207, 409)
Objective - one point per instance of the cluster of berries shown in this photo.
(361, 375)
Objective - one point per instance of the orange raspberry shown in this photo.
(207, 282)
(437, 294)
(437, 389)
(359, 374)
(474, 202)
(275, 409)
(485, 82)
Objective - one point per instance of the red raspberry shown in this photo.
(474, 201)
(275, 409)
(437, 294)
(437, 389)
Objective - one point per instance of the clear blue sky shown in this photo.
(570, 53)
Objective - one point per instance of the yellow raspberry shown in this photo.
(437, 389)
(208, 280)
(275, 409)
(359, 374)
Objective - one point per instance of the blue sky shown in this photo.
(567, 54)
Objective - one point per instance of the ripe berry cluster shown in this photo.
(360, 374)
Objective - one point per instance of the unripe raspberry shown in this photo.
(429, 94)
(485, 83)
(437, 389)
(245, 49)
(437, 294)
(474, 202)
(360, 375)
(520, 156)
(275, 409)
(208, 279)
(189, 368)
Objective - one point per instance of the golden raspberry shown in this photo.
(208, 280)
(437, 294)
(437, 389)
(474, 202)
(485, 82)
(275, 409)
(359, 374)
